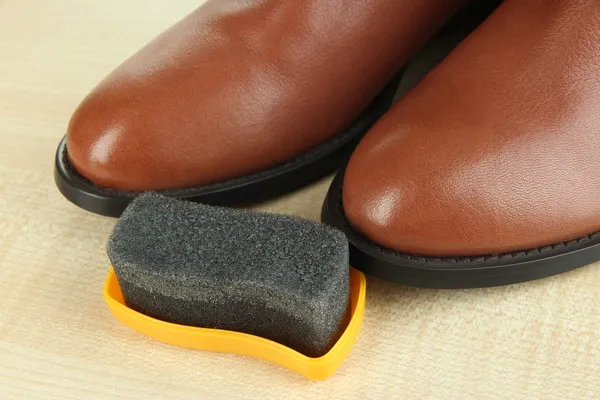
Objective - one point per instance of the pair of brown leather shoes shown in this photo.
(483, 174)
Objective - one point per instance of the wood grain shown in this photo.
(539, 340)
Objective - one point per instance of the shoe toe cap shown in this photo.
(420, 195)
(103, 145)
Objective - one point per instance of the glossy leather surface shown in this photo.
(496, 150)
(239, 86)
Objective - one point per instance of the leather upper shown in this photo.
(496, 150)
(239, 86)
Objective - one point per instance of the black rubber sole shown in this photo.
(456, 272)
(300, 171)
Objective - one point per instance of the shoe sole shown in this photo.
(456, 272)
(293, 174)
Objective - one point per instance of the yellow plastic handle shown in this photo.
(242, 343)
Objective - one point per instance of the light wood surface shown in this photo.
(539, 340)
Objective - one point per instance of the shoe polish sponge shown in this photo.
(279, 277)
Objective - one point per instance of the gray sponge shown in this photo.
(279, 277)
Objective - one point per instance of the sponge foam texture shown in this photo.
(274, 276)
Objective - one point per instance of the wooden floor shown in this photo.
(539, 340)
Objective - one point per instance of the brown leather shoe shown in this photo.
(486, 173)
(242, 99)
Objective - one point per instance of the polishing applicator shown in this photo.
(271, 286)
